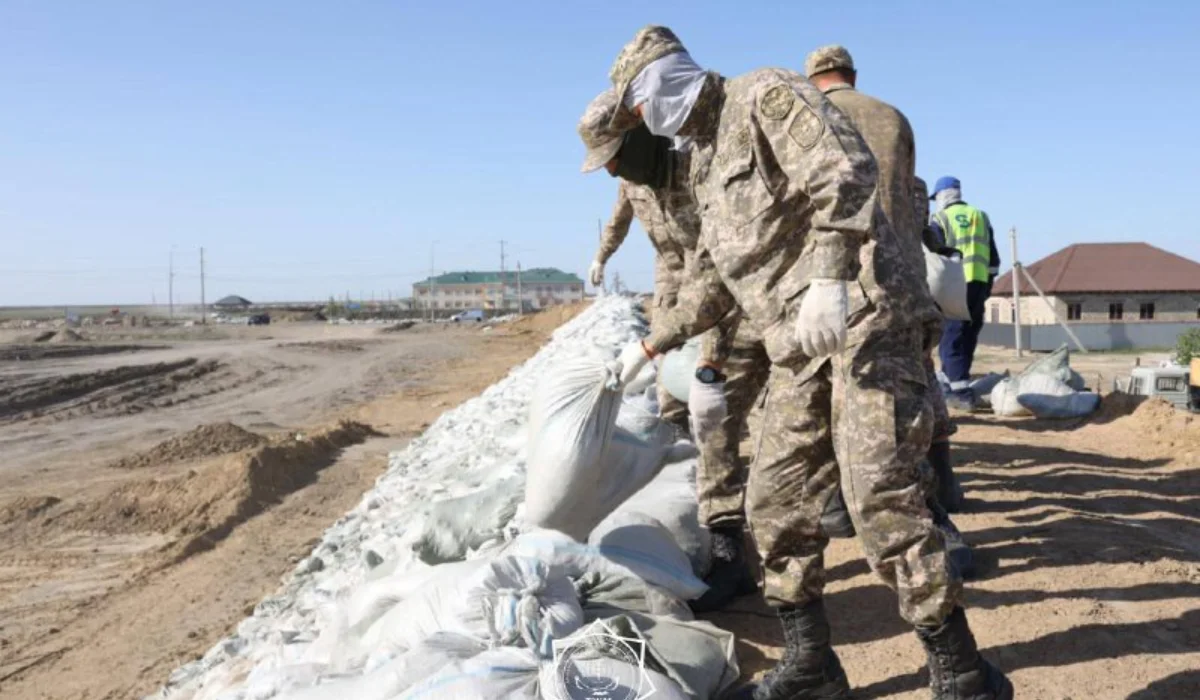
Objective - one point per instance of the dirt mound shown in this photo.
(1150, 425)
(66, 335)
(330, 346)
(203, 506)
(547, 320)
(37, 350)
(25, 508)
(206, 441)
(128, 389)
(397, 327)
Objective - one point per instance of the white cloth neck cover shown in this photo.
(666, 89)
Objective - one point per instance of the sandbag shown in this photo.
(508, 600)
(457, 525)
(1058, 365)
(947, 284)
(503, 672)
(371, 600)
(569, 558)
(670, 498)
(603, 595)
(678, 367)
(645, 547)
(1074, 404)
(590, 674)
(1004, 399)
(572, 419)
(983, 386)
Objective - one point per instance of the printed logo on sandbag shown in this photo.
(596, 663)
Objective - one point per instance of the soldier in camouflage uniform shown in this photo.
(793, 235)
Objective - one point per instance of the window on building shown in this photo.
(1146, 312)
(1116, 311)
(1074, 311)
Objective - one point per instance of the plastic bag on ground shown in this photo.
(678, 367)
(670, 498)
(573, 559)
(508, 600)
(948, 285)
(573, 415)
(503, 672)
(458, 525)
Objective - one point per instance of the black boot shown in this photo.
(809, 669)
(949, 492)
(956, 670)
(729, 576)
(959, 552)
(835, 521)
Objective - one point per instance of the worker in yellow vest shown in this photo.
(960, 226)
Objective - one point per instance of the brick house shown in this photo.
(1103, 283)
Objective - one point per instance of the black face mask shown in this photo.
(644, 159)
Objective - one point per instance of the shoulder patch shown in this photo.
(777, 102)
(806, 128)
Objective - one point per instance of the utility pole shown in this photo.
(503, 288)
(1016, 275)
(432, 282)
(171, 284)
(520, 296)
(203, 306)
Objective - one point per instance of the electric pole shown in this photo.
(171, 284)
(1016, 278)
(502, 286)
(520, 296)
(203, 307)
(432, 286)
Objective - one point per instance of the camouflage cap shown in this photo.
(602, 143)
(826, 58)
(651, 43)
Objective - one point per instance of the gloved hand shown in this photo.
(629, 363)
(706, 407)
(821, 322)
(596, 273)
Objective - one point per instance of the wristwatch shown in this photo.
(709, 375)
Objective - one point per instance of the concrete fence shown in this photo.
(1094, 336)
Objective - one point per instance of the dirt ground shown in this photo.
(1087, 537)
(135, 486)
(157, 483)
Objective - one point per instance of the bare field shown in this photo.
(158, 482)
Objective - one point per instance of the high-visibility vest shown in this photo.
(966, 230)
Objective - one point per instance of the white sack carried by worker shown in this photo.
(948, 285)
(678, 367)
(584, 459)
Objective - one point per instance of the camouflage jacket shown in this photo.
(786, 191)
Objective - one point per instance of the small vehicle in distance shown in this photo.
(259, 320)
(472, 315)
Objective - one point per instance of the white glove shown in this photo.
(629, 363)
(821, 323)
(596, 273)
(706, 407)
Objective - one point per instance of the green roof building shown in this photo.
(537, 288)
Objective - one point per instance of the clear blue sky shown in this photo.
(317, 148)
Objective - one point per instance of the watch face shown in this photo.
(706, 375)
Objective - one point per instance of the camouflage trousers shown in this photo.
(666, 295)
(863, 421)
(721, 473)
(943, 425)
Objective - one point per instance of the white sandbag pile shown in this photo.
(1047, 388)
(474, 560)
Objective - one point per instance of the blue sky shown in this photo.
(324, 148)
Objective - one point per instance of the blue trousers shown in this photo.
(959, 338)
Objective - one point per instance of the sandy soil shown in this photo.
(1087, 532)
(144, 510)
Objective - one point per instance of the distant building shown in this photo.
(1103, 283)
(539, 288)
(232, 303)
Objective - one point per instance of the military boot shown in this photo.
(729, 575)
(835, 521)
(809, 669)
(949, 492)
(956, 669)
(957, 549)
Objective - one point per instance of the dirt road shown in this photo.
(145, 507)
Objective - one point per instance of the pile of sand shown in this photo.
(205, 441)
(66, 335)
(548, 320)
(203, 506)
(397, 327)
(25, 508)
(1151, 425)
